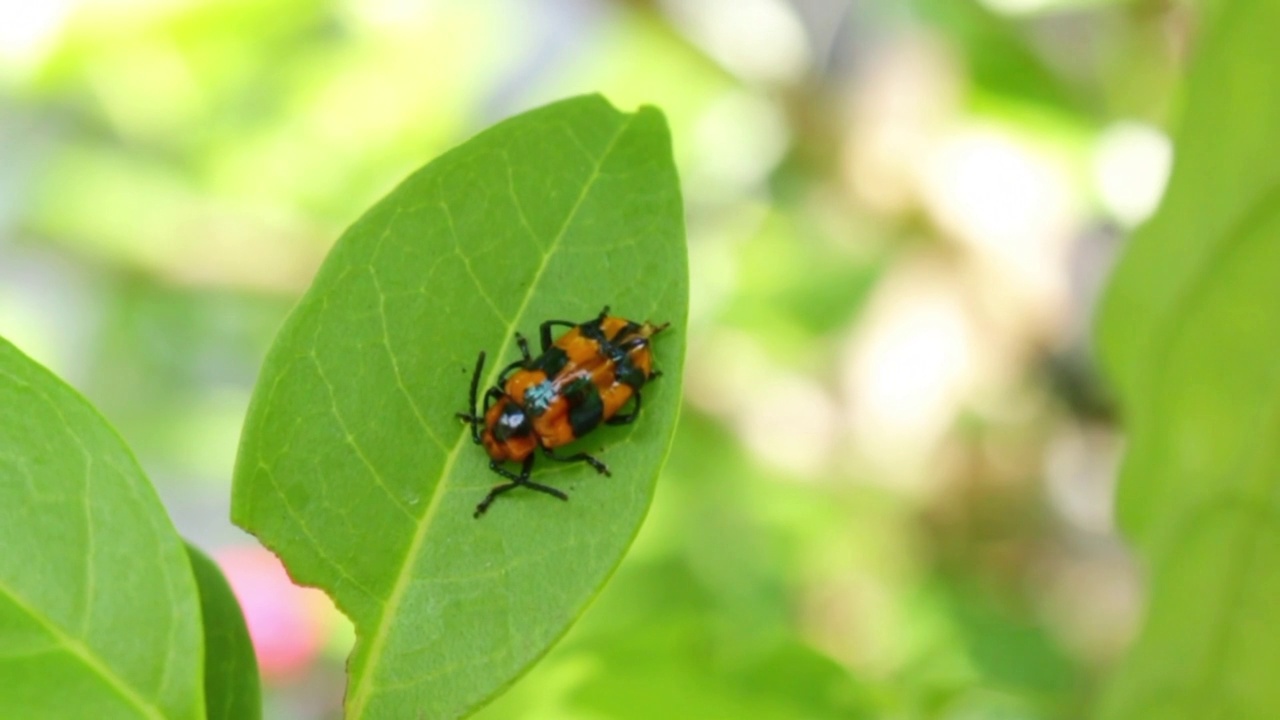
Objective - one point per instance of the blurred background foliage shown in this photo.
(890, 494)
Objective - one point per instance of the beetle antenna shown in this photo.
(473, 418)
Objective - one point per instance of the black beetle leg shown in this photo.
(544, 489)
(521, 480)
(489, 396)
(477, 421)
(579, 457)
(544, 332)
(524, 348)
(506, 372)
(494, 492)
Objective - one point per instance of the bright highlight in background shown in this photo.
(1131, 165)
(28, 29)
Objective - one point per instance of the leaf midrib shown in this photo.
(83, 653)
(365, 685)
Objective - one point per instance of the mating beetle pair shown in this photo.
(581, 380)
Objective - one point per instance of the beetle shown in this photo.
(581, 380)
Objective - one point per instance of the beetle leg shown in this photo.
(544, 331)
(579, 457)
(477, 421)
(544, 489)
(471, 420)
(524, 348)
(492, 394)
(506, 371)
(521, 480)
(629, 417)
(494, 492)
(525, 359)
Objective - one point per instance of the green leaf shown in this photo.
(658, 644)
(353, 468)
(231, 688)
(1189, 334)
(98, 610)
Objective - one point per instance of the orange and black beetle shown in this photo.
(580, 380)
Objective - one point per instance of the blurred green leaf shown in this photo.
(353, 468)
(174, 367)
(231, 688)
(98, 609)
(795, 284)
(1188, 333)
(655, 646)
(1001, 56)
(1010, 653)
(701, 619)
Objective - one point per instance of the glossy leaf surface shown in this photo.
(98, 609)
(353, 468)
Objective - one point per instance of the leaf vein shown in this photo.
(85, 655)
(466, 264)
(366, 683)
(395, 363)
(353, 443)
(301, 521)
